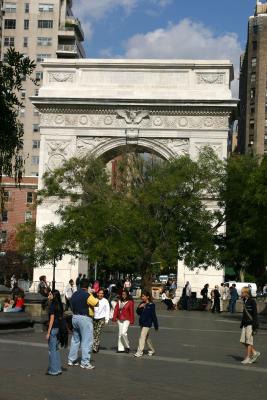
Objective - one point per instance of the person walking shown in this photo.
(55, 313)
(78, 281)
(101, 318)
(187, 292)
(221, 290)
(124, 315)
(147, 317)
(204, 293)
(127, 284)
(233, 298)
(249, 326)
(68, 294)
(82, 304)
(216, 302)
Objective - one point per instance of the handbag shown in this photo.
(254, 328)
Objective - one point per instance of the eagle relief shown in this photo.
(133, 117)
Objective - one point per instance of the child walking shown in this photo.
(147, 317)
(249, 325)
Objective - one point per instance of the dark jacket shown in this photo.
(147, 316)
(251, 307)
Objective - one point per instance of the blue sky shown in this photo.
(109, 24)
(207, 29)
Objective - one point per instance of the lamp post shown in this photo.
(54, 274)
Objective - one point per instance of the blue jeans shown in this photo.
(82, 336)
(54, 366)
(232, 306)
(15, 309)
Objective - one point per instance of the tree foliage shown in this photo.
(157, 211)
(245, 198)
(13, 70)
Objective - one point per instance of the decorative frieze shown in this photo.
(210, 78)
(131, 119)
(61, 77)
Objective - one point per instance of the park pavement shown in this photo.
(197, 358)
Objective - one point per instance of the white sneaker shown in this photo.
(255, 356)
(72, 364)
(150, 353)
(87, 366)
(247, 360)
(138, 355)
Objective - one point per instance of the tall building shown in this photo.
(252, 131)
(39, 29)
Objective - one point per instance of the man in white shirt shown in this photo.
(70, 289)
(101, 318)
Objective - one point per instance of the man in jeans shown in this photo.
(233, 298)
(82, 326)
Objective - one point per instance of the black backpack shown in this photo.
(63, 336)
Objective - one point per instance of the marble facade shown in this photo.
(167, 107)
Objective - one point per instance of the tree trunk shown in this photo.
(242, 275)
(146, 273)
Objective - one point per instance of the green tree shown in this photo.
(13, 70)
(245, 200)
(156, 211)
(25, 244)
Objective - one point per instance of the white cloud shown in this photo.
(188, 40)
(99, 8)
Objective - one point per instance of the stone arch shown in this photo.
(153, 146)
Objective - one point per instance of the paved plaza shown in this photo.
(198, 358)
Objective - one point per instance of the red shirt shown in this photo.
(20, 303)
(126, 313)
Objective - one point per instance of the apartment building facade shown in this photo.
(39, 29)
(252, 127)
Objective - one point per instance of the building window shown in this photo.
(23, 94)
(35, 160)
(36, 92)
(10, 24)
(255, 29)
(45, 7)
(45, 23)
(254, 62)
(254, 45)
(3, 236)
(36, 144)
(27, 8)
(7, 196)
(25, 42)
(10, 7)
(39, 76)
(30, 197)
(22, 112)
(44, 41)
(4, 216)
(35, 127)
(253, 78)
(9, 41)
(41, 57)
(28, 216)
(252, 94)
(26, 24)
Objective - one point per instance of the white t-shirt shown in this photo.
(103, 310)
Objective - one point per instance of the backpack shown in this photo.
(62, 335)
